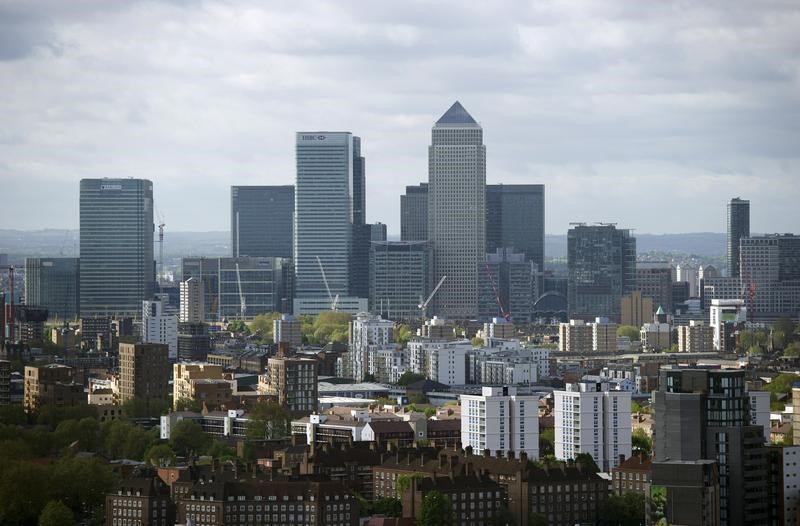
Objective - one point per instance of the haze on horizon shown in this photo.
(650, 115)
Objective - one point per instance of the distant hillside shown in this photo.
(19, 244)
(709, 244)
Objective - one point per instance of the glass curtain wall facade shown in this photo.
(262, 219)
(515, 219)
(53, 283)
(400, 278)
(117, 269)
(323, 224)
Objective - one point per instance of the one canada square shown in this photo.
(457, 210)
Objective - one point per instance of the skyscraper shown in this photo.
(515, 219)
(52, 283)
(738, 227)
(399, 278)
(116, 247)
(601, 262)
(457, 210)
(262, 219)
(654, 280)
(414, 213)
(323, 213)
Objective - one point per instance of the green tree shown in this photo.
(792, 350)
(477, 342)
(547, 441)
(388, 507)
(160, 455)
(402, 335)
(262, 326)
(56, 513)
(187, 438)
(587, 460)
(369, 377)
(189, 404)
(408, 378)
(267, 420)
(418, 398)
(24, 489)
(220, 450)
(13, 414)
(630, 331)
(754, 350)
(82, 483)
(238, 326)
(624, 510)
(145, 407)
(786, 326)
(537, 519)
(436, 510)
(641, 441)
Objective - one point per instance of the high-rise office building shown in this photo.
(194, 341)
(515, 219)
(501, 420)
(601, 261)
(591, 418)
(262, 219)
(377, 232)
(770, 275)
(144, 371)
(324, 212)
(400, 278)
(738, 227)
(117, 270)
(509, 276)
(262, 281)
(414, 213)
(457, 210)
(705, 414)
(654, 280)
(635, 309)
(53, 283)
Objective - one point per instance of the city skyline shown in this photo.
(620, 102)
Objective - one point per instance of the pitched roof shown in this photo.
(389, 426)
(456, 115)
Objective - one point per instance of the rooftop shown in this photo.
(456, 115)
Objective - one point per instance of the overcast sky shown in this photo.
(651, 114)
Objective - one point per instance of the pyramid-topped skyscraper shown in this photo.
(457, 210)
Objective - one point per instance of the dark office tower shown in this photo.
(654, 280)
(359, 190)
(194, 341)
(117, 270)
(414, 213)
(52, 283)
(705, 414)
(509, 276)
(457, 210)
(262, 221)
(323, 213)
(400, 278)
(738, 227)
(359, 261)
(515, 219)
(377, 232)
(601, 261)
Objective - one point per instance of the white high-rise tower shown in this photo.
(457, 210)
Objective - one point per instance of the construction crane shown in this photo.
(242, 304)
(506, 315)
(161, 226)
(424, 305)
(334, 300)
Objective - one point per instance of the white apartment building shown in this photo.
(591, 418)
(441, 361)
(722, 311)
(575, 336)
(604, 336)
(160, 325)
(192, 301)
(499, 419)
(367, 333)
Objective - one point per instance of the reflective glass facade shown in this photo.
(116, 246)
(53, 283)
(515, 219)
(262, 221)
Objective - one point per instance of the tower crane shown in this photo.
(161, 226)
(334, 300)
(242, 304)
(506, 315)
(424, 305)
